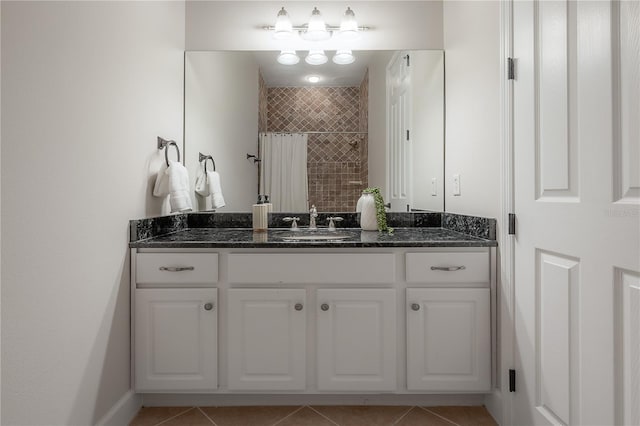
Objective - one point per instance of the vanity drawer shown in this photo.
(299, 268)
(447, 267)
(176, 268)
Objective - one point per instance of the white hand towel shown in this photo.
(179, 197)
(202, 183)
(217, 200)
(161, 187)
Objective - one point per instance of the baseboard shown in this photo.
(494, 404)
(181, 400)
(123, 411)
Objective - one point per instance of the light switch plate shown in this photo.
(456, 184)
(434, 186)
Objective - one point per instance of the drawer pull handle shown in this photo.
(324, 307)
(447, 268)
(176, 268)
(208, 306)
(298, 306)
(415, 306)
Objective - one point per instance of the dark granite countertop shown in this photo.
(281, 238)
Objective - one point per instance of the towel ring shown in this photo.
(163, 143)
(202, 157)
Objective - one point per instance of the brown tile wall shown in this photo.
(262, 104)
(334, 161)
(364, 126)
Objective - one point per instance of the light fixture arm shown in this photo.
(304, 28)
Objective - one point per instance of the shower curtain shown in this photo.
(283, 171)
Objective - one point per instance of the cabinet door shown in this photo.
(176, 338)
(266, 339)
(448, 340)
(356, 339)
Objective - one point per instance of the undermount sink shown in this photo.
(319, 237)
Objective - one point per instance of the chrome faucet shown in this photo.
(313, 213)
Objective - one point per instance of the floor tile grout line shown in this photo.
(173, 417)
(404, 415)
(288, 415)
(313, 409)
(205, 414)
(436, 414)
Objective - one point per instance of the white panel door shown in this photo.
(577, 174)
(356, 339)
(176, 338)
(266, 339)
(448, 339)
(398, 125)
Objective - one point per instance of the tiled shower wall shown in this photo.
(334, 161)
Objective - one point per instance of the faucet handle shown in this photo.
(293, 220)
(332, 219)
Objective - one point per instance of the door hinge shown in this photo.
(407, 135)
(511, 72)
(512, 224)
(408, 60)
(512, 380)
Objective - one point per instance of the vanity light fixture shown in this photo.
(316, 57)
(288, 57)
(348, 26)
(284, 28)
(316, 29)
(343, 57)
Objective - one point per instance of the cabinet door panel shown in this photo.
(356, 339)
(448, 340)
(175, 339)
(267, 344)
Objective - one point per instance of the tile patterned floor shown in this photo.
(314, 416)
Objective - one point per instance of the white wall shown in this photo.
(378, 121)
(472, 90)
(427, 129)
(221, 120)
(86, 88)
(237, 25)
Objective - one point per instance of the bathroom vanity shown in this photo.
(226, 310)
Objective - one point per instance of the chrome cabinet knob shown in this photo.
(415, 306)
(208, 306)
(298, 306)
(324, 307)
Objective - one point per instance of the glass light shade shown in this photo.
(288, 57)
(316, 29)
(348, 26)
(316, 57)
(283, 27)
(313, 78)
(343, 57)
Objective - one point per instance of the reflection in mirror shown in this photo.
(376, 122)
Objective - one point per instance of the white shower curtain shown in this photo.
(283, 171)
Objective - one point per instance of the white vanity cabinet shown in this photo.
(356, 339)
(448, 312)
(176, 339)
(313, 321)
(266, 339)
(175, 322)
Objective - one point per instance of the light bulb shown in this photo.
(313, 78)
(288, 57)
(316, 57)
(348, 26)
(343, 57)
(316, 28)
(283, 27)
